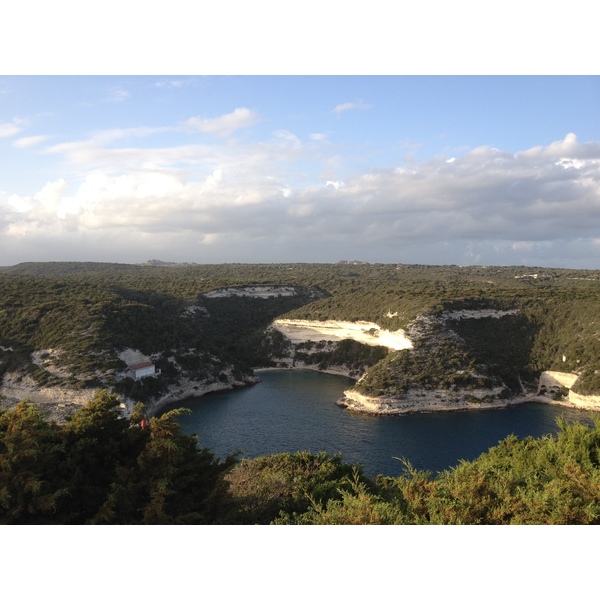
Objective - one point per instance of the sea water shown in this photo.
(290, 411)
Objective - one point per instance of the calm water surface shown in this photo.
(296, 410)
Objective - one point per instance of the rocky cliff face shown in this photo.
(187, 388)
(421, 400)
(338, 347)
(556, 386)
(60, 399)
(445, 370)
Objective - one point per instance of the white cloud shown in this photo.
(9, 129)
(252, 202)
(117, 95)
(171, 83)
(32, 140)
(20, 204)
(93, 152)
(333, 184)
(287, 138)
(518, 246)
(567, 148)
(340, 108)
(225, 124)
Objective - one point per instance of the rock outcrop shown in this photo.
(298, 331)
(553, 388)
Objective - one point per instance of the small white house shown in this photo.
(143, 369)
(138, 364)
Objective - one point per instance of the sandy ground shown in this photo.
(335, 331)
(257, 291)
(478, 314)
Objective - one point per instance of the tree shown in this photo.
(31, 451)
(170, 481)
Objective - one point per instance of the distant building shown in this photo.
(138, 364)
(143, 369)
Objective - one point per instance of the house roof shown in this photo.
(142, 365)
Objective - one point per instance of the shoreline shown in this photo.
(435, 401)
(304, 367)
(59, 402)
(440, 401)
(192, 389)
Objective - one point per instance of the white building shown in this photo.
(143, 369)
(138, 364)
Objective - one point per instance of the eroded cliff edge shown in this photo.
(430, 366)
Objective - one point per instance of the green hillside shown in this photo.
(86, 313)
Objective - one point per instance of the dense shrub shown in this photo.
(100, 468)
(88, 312)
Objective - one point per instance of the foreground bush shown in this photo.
(552, 480)
(266, 487)
(100, 468)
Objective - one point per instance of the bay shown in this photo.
(289, 411)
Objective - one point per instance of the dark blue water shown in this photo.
(296, 410)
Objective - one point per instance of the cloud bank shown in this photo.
(281, 200)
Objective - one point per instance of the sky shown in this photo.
(335, 135)
(212, 169)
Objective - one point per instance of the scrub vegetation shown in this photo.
(87, 312)
(100, 468)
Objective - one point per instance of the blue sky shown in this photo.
(436, 169)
